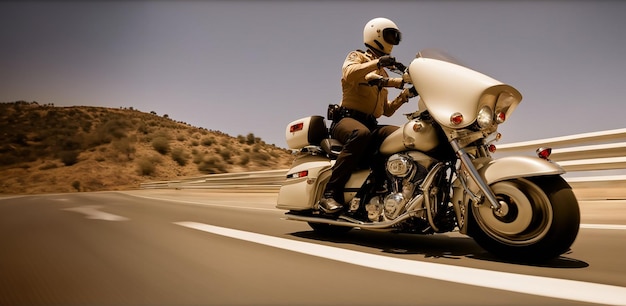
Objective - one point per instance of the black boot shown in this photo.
(329, 204)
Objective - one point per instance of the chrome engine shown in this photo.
(406, 171)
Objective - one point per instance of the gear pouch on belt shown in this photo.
(333, 112)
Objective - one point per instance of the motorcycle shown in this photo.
(440, 173)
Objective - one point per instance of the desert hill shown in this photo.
(46, 149)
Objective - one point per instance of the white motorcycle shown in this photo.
(441, 176)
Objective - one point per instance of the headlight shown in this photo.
(485, 117)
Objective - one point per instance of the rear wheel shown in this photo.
(539, 219)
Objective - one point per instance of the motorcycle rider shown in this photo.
(364, 100)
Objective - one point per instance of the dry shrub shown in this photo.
(147, 166)
(125, 146)
(208, 141)
(180, 156)
(211, 164)
(161, 145)
(69, 157)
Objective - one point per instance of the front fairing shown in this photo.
(446, 87)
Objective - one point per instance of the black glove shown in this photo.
(382, 82)
(386, 61)
(408, 93)
(412, 92)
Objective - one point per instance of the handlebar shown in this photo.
(402, 70)
(400, 66)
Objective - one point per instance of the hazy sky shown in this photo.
(253, 66)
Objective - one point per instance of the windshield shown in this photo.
(439, 55)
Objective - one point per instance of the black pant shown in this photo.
(360, 143)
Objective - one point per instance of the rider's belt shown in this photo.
(362, 117)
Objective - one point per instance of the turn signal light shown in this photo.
(492, 148)
(456, 118)
(544, 153)
(500, 117)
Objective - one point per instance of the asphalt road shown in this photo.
(181, 247)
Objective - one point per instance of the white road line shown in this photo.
(92, 212)
(604, 226)
(527, 284)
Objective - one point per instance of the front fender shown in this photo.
(515, 167)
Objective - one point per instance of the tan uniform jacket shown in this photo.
(359, 95)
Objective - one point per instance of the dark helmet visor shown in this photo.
(392, 36)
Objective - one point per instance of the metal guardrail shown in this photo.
(604, 150)
(596, 151)
(608, 136)
(585, 153)
(259, 180)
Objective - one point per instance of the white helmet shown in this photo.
(381, 34)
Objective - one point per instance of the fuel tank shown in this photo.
(416, 134)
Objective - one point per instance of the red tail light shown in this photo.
(296, 127)
(300, 174)
(544, 153)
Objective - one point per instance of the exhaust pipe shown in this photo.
(350, 222)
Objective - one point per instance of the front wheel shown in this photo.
(539, 219)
